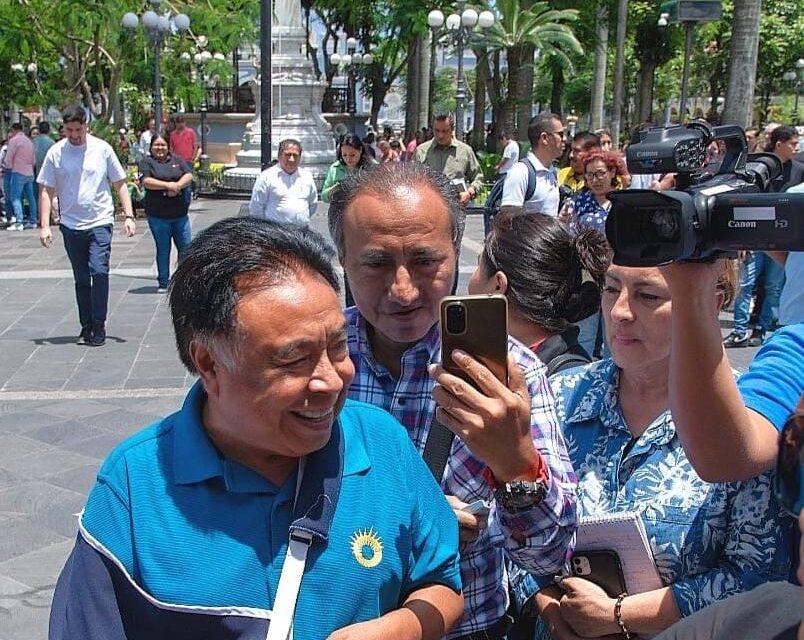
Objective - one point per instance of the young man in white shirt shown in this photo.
(510, 154)
(285, 192)
(546, 136)
(78, 169)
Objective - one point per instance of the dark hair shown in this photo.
(287, 142)
(74, 113)
(545, 267)
(226, 262)
(351, 140)
(156, 137)
(539, 124)
(782, 133)
(384, 180)
(177, 117)
(503, 135)
(587, 139)
(445, 116)
(44, 127)
(16, 126)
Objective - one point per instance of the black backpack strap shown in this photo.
(531, 187)
(565, 361)
(437, 448)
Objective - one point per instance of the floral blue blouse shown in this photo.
(709, 540)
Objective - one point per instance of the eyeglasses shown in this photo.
(788, 479)
(597, 175)
(560, 134)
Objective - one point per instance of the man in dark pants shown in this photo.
(78, 169)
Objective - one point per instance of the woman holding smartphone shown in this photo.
(709, 541)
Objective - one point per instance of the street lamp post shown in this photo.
(352, 61)
(158, 27)
(795, 76)
(459, 26)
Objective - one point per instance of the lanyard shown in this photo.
(287, 593)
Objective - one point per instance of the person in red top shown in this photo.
(184, 145)
(183, 141)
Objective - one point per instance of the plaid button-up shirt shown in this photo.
(547, 530)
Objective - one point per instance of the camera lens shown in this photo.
(456, 318)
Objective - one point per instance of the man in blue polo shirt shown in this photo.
(268, 496)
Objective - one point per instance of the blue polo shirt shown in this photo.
(177, 541)
(774, 381)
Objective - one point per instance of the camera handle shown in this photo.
(736, 147)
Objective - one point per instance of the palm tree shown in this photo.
(518, 31)
(743, 62)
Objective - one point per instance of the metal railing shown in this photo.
(336, 100)
(230, 100)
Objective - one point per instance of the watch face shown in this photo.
(520, 495)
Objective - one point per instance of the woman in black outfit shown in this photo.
(551, 278)
(164, 178)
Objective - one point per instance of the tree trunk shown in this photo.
(424, 84)
(413, 85)
(508, 115)
(524, 97)
(599, 79)
(645, 97)
(557, 90)
(742, 62)
(619, 69)
(481, 79)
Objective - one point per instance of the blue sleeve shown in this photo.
(84, 602)
(434, 557)
(774, 382)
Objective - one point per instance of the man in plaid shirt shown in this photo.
(397, 229)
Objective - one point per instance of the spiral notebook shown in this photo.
(624, 533)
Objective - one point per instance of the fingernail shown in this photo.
(459, 356)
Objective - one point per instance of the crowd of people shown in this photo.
(326, 454)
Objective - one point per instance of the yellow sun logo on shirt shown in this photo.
(366, 548)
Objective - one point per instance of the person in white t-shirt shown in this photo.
(510, 153)
(78, 169)
(285, 192)
(546, 136)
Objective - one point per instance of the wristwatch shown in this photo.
(520, 495)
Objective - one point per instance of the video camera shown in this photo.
(709, 214)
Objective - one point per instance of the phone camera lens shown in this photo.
(456, 319)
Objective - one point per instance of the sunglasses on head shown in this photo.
(787, 483)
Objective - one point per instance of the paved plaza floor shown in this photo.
(64, 406)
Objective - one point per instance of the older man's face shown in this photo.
(400, 260)
(291, 373)
(289, 158)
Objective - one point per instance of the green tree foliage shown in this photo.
(83, 54)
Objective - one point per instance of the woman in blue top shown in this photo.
(708, 540)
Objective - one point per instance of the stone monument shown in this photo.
(296, 105)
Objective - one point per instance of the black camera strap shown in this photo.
(437, 448)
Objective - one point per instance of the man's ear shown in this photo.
(207, 365)
(501, 282)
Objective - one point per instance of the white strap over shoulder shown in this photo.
(280, 627)
(287, 593)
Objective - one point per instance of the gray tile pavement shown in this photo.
(64, 406)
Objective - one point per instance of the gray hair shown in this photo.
(384, 180)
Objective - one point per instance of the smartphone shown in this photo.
(601, 567)
(477, 325)
(478, 508)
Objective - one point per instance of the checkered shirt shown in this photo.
(547, 530)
